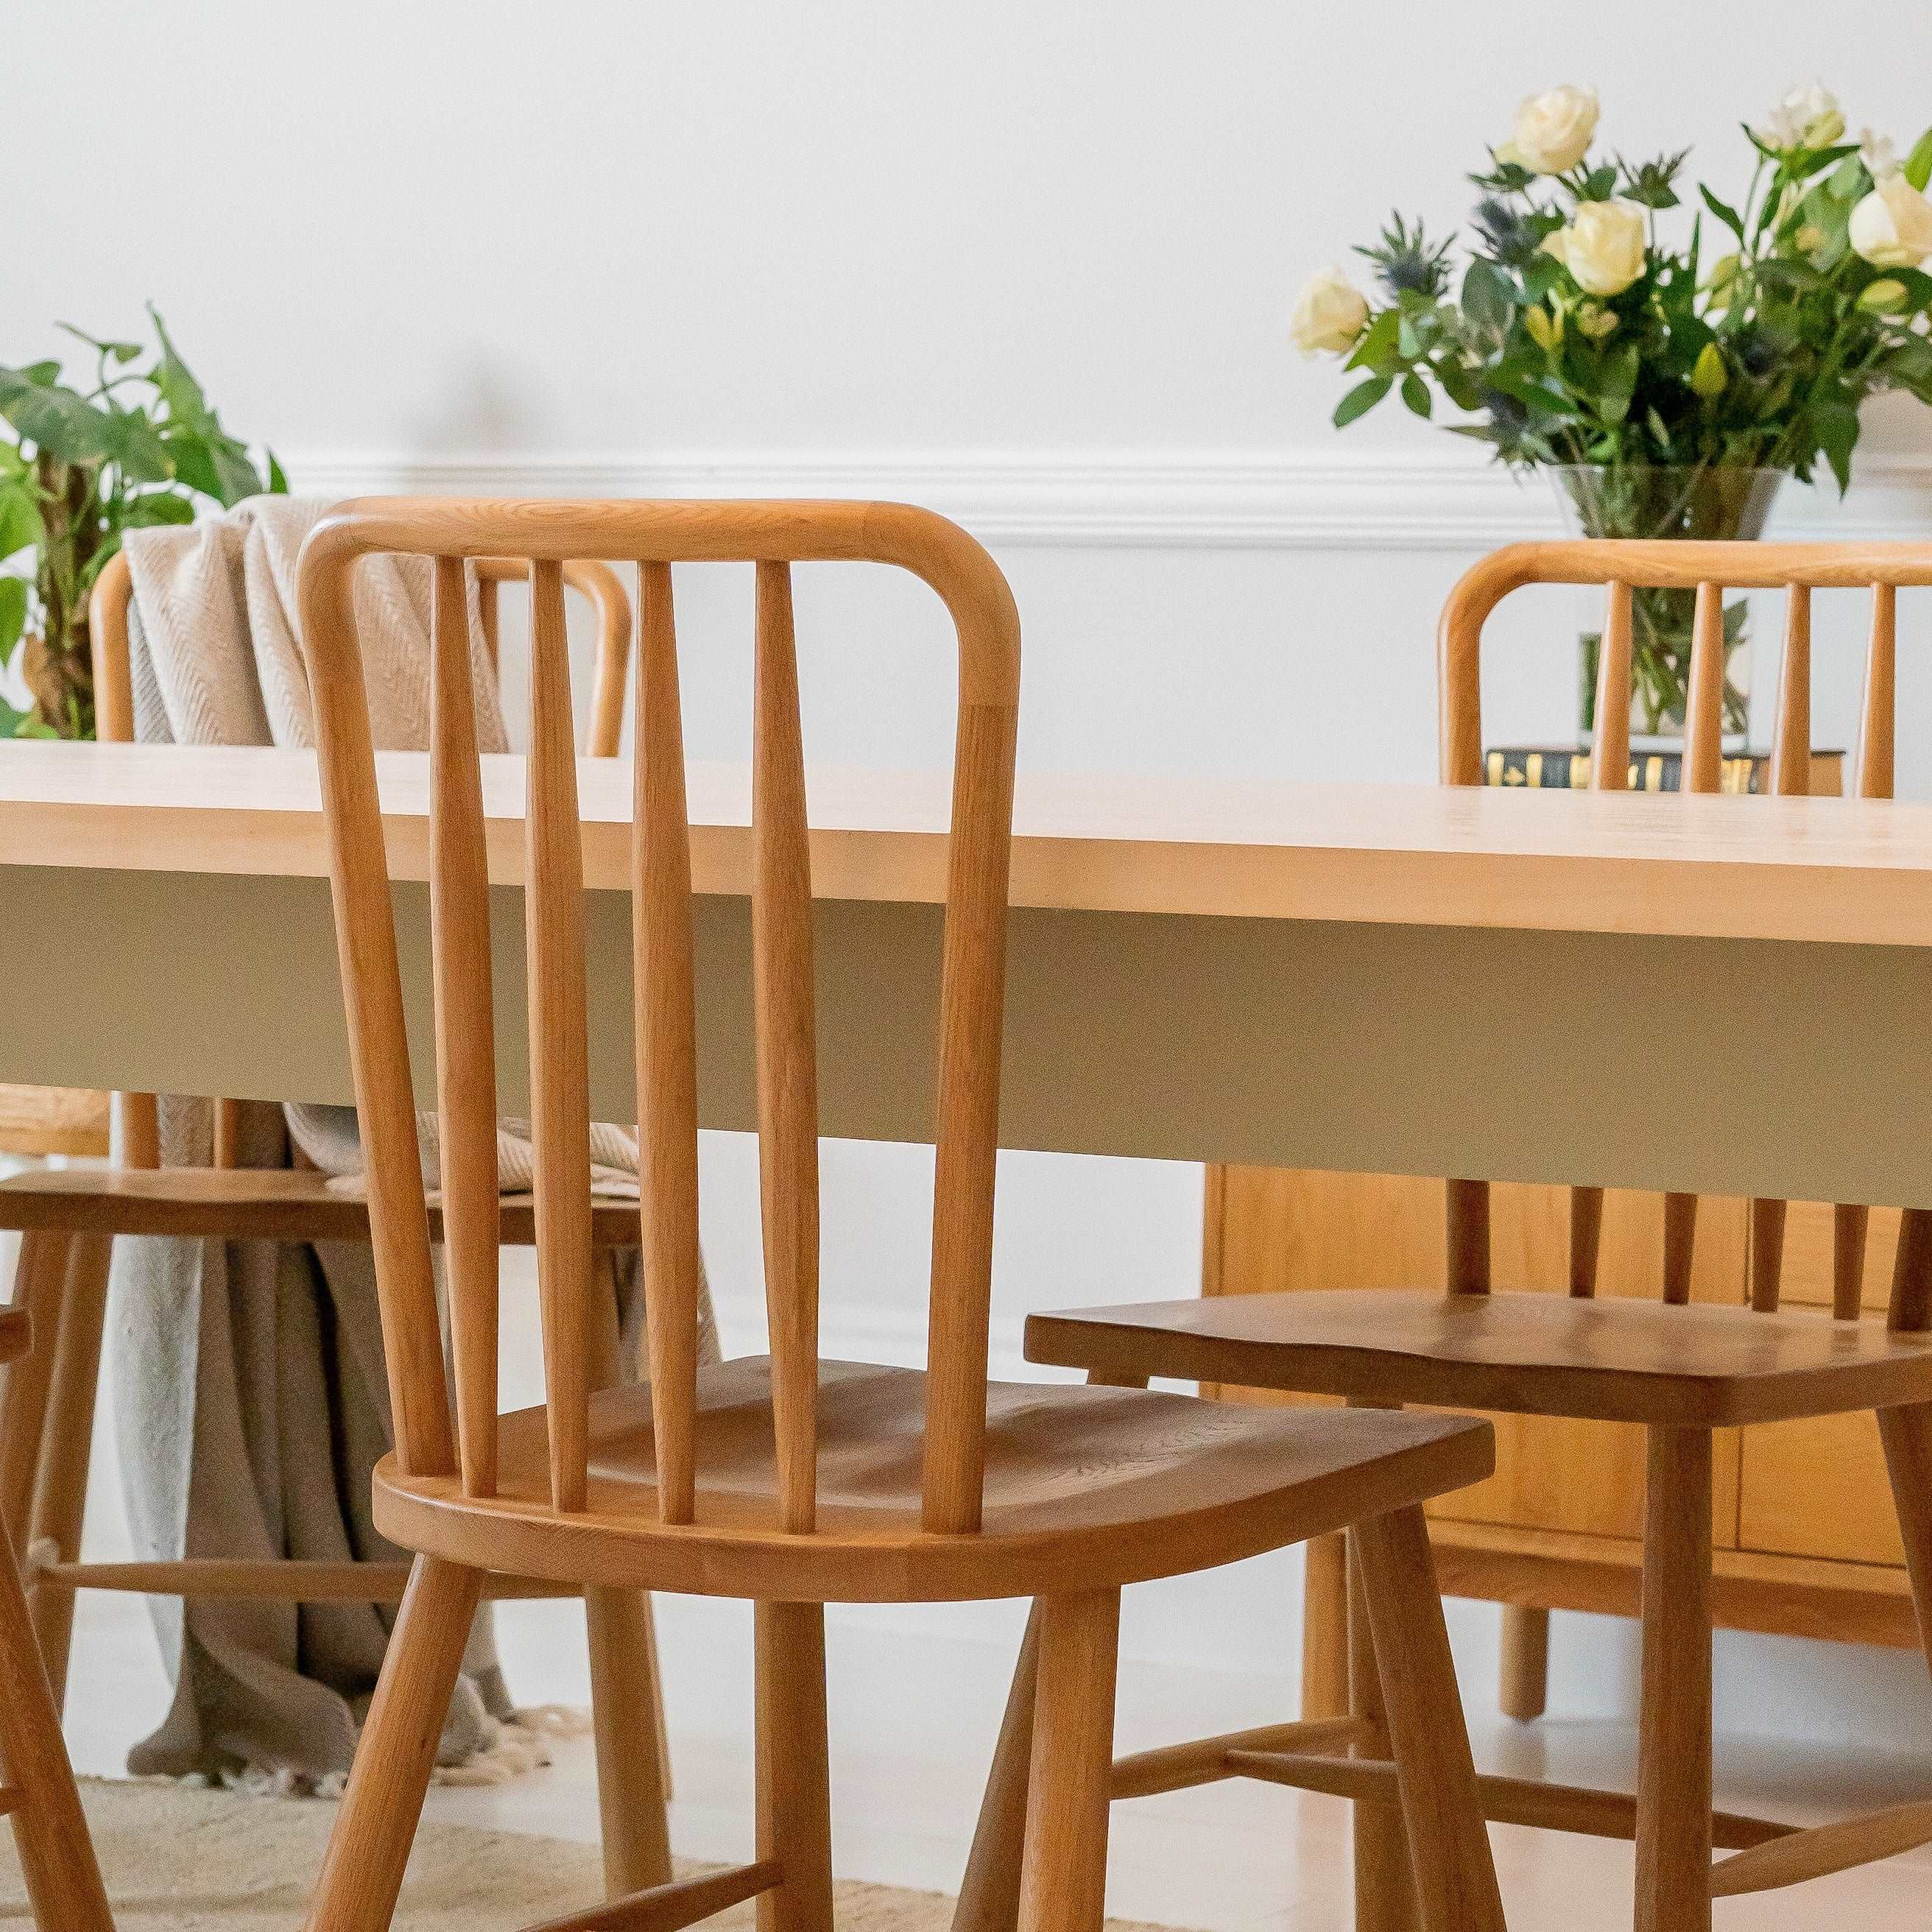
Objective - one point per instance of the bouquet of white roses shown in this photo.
(1578, 334)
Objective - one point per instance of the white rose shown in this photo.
(1808, 116)
(1602, 247)
(1552, 131)
(1331, 314)
(1891, 228)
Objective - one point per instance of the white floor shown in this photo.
(1235, 1858)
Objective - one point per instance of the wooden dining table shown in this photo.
(1718, 995)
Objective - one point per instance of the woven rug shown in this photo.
(181, 1860)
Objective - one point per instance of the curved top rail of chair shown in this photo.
(1682, 564)
(692, 530)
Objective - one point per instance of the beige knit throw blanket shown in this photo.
(247, 1379)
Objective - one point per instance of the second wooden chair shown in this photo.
(69, 1218)
(1682, 1370)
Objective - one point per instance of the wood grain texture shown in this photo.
(1673, 1820)
(669, 1908)
(560, 1069)
(1324, 1629)
(362, 1869)
(57, 1860)
(1063, 1879)
(1834, 871)
(39, 1286)
(972, 999)
(1877, 718)
(1523, 1681)
(989, 1892)
(36, 1121)
(1504, 1801)
(1611, 1359)
(1449, 1847)
(58, 1512)
(626, 1710)
(787, 1049)
(794, 1794)
(667, 1036)
(244, 1204)
(1384, 1873)
(1085, 1486)
(1208, 1760)
(465, 1032)
(1825, 1849)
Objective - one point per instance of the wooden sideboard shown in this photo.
(1808, 1543)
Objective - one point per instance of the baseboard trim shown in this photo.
(1224, 500)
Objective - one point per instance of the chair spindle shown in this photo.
(786, 1069)
(966, 1153)
(1877, 723)
(1790, 777)
(1851, 1226)
(666, 1038)
(1610, 771)
(465, 1052)
(1468, 1236)
(1609, 765)
(1704, 710)
(1851, 1222)
(560, 1053)
(1911, 1310)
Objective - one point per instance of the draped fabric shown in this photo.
(247, 1382)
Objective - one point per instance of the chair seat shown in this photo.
(1608, 1359)
(272, 1203)
(1085, 1488)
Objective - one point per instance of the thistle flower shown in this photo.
(1407, 262)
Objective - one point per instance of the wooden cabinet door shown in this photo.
(1818, 1488)
(1273, 1230)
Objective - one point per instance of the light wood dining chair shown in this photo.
(1682, 1370)
(69, 1218)
(787, 1480)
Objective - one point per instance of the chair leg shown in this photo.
(1673, 1801)
(39, 1285)
(56, 1856)
(630, 1763)
(1324, 1629)
(1524, 1692)
(989, 1895)
(60, 1487)
(1907, 1434)
(626, 1699)
(794, 1778)
(362, 1871)
(1449, 1842)
(1064, 1873)
(1384, 1882)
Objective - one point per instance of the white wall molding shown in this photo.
(1204, 500)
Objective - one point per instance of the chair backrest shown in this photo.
(136, 1117)
(1708, 569)
(772, 537)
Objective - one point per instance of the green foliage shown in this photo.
(141, 445)
(1758, 358)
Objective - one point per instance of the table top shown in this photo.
(1848, 871)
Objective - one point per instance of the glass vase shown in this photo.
(1709, 501)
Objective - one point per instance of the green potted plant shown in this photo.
(140, 446)
(1669, 394)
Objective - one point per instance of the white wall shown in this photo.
(1028, 262)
